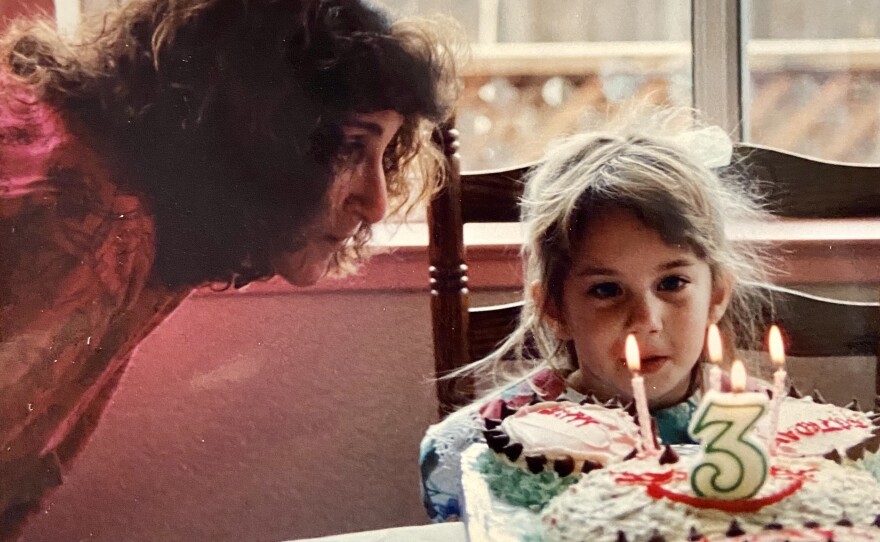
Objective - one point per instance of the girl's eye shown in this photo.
(672, 284)
(605, 290)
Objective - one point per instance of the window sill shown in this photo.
(807, 251)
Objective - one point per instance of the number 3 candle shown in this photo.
(733, 464)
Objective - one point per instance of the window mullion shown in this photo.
(718, 70)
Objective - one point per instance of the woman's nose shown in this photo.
(368, 198)
(645, 315)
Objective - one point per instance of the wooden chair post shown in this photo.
(448, 278)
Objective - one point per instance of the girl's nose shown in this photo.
(368, 198)
(645, 315)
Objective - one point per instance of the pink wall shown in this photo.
(10, 9)
(259, 417)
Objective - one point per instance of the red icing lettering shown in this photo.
(807, 428)
(574, 417)
(823, 425)
(858, 423)
(784, 437)
(829, 425)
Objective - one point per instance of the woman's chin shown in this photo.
(300, 270)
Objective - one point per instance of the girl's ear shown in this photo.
(721, 293)
(549, 312)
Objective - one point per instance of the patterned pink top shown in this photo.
(75, 258)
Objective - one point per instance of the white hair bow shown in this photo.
(710, 146)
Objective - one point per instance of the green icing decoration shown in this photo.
(871, 463)
(514, 485)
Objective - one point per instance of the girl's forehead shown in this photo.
(610, 224)
(618, 238)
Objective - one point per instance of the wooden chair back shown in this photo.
(797, 187)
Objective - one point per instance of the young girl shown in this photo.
(625, 233)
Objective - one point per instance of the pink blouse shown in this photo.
(75, 257)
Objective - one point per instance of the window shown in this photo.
(814, 78)
(796, 75)
(541, 69)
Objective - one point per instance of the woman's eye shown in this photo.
(672, 284)
(604, 290)
(351, 149)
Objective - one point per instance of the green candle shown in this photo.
(734, 462)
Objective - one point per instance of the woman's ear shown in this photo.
(549, 312)
(721, 293)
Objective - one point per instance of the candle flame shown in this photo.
(737, 376)
(777, 349)
(714, 340)
(633, 360)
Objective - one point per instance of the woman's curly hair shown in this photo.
(227, 114)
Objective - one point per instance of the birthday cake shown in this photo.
(544, 447)
(643, 500)
(619, 497)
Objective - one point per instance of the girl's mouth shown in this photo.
(652, 364)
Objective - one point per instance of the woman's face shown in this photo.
(626, 279)
(357, 196)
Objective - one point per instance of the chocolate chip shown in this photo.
(793, 392)
(656, 537)
(564, 466)
(491, 424)
(621, 537)
(834, 455)
(668, 456)
(876, 521)
(590, 466)
(631, 455)
(535, 463)
(811, 524)
(817, 397)
(506, 411)
(844, 522)
(734, 529)
(854, 405)
(694, 535)
(497, 440)
(512, 451)
(773, 526)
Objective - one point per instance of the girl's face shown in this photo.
(625, 279)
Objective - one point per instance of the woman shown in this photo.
(180, 144)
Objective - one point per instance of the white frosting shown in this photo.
(581, 431)
(599, 505)
(488, 518)
(807, 428)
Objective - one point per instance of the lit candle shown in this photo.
(634, 362)
(733, 463)
(716, 354)
(777, 356)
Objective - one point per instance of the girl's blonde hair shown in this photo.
(650, 165)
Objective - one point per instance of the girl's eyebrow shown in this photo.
(593, 270)
(679, 262)
(589, 270)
